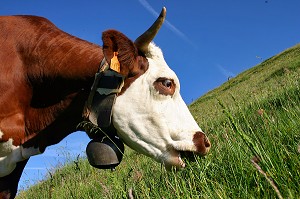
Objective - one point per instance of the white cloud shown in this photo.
(35, 168)
(225, 72)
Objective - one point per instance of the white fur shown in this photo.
(151, 123)
(6, 147)
(10, 155)
(8, 163)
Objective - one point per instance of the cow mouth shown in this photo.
(184, 151)
(188, 155)
(179, 158)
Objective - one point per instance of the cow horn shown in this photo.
(143, 41)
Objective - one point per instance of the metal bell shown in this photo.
(105, 152)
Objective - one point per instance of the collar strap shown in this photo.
(110, 82)
(107, 84)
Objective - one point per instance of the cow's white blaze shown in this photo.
(154, 124)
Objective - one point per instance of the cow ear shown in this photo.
(114, 41)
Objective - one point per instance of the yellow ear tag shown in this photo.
(114, 63)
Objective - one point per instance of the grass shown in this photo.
(253, 122)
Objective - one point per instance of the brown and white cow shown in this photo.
(45, 81)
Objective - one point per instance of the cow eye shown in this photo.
(167, 83)
(165, 86)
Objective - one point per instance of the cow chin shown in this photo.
(173, 160)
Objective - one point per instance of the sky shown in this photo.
(204, 42)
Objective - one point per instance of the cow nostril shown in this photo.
(201, 142)
(206, 142)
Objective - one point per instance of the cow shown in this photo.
(45, 84)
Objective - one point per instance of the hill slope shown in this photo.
(253, 121)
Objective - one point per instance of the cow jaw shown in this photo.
(156, 121)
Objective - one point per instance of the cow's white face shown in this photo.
(152, 118)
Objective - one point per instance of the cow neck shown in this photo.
(59, 78)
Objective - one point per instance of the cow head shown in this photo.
(149, 114)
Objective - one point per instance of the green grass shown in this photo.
(252, 120)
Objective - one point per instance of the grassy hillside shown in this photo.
(253, 121)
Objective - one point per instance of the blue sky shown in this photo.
(204, 42)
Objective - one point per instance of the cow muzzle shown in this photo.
(202, 143)
(201, 146)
